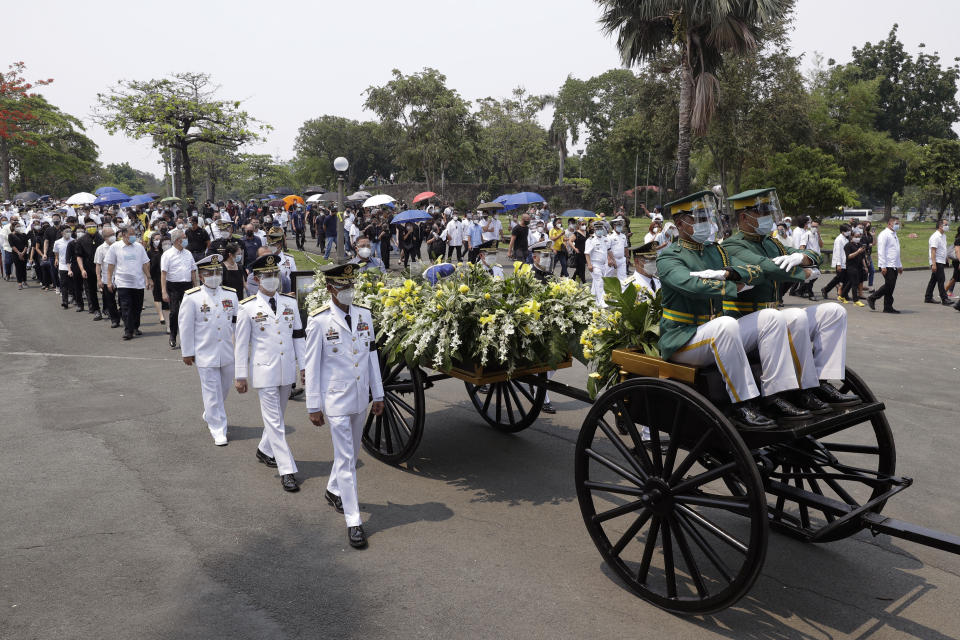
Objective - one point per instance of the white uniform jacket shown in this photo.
(268, 345)
(643, 283)
(342, 370)
(207, 320)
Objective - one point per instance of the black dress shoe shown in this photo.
(64, 305)
(127, 336)
(334, 501)
(98, 316)
(173, 344)
(548, 408)
(946, 303)
(892, 310)
(137, 332)
(930, 301)
(872, 302)
(824, 294)
(79, 309)
(356, 536)
(782, 410)
(832, 396)
(267, 460)
(746, 416)
(807, 400)
(294, 392)
(289, 482)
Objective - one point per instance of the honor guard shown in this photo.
(696, 274)
(208, 315)
(600, 259)
(284, 260)
(268, 346)
(342, 374)
(644, 277)
(817, 333)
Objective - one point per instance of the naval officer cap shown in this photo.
(339, 275)
(275, 235)
(212, 262)
(265, 263)
(647, 250)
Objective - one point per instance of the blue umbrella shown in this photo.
(111, 197)
(578, 213)
(502, 199)
(413, 215)
(103, 190)
(524, 197)
(152, 195)
(141, 199)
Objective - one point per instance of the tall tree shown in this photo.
(808, 181)
(703, 32)
(18, 106)
(431, 123)
(176, 112)
(937, 166)
(512, 142)
(366, 145)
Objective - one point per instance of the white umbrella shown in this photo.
(81, 198)
(376, 201)
(315, 197)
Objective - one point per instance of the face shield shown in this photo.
(764, 216)
(702, 223)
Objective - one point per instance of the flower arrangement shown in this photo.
(472, 317)
(630, 321)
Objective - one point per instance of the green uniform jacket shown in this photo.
(757, 250)
(688, 301)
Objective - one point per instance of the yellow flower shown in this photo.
(516, 266)
(487, 319)
(594, 375)
(463, 288)
(486, 296)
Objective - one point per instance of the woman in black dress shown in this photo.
(21, 253)
(580, 247)
(159, 242)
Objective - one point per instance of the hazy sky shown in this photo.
(294, 60)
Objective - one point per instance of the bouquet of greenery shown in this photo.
(628, 322)
(472, 317)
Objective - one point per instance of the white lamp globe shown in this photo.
(341, 164)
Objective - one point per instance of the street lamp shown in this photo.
(580, 164)
(340, 164)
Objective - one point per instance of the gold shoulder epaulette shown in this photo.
(319, 310)
(228, 289)
(360, 306)
(194, 290)
(289, 295)
(248, 299)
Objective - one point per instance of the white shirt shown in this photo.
(937, 241)
(650, 237)
(800, 238)
(888, 249)
(839, 258)
(128, 261)
(813, 241)
(453, 233)
(60, 248)
(618, 245)
(99, 256)
(597, 249)
(496, 227)
(5, 238)
(178, 264)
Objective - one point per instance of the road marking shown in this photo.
(82, 355)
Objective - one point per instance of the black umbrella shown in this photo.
(283, 191)
(259, 196)
(27, 196)
(330, 196)
(309, 191)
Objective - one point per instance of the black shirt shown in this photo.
(197, 240)
(521, 235)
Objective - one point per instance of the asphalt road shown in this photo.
(120, 519)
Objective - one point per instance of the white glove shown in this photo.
(789, 261)
(743, 287)
(814, 274)
(710, 274)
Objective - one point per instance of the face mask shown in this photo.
(270, 284)
(946, 228)
(249, 234)
(35, 227)
(896, 226)
(583, 227)
(16, 229)
(180, 226)
(109, 239)
(66, 236)
(185, 242)
(238, 258)
(345, 297)
(156, 242)
(600, 233)
(56, 222)
(267, 221)
(212, 281)
(764, 225)
(855, 239)
(701, 232)
(165, 246)
(130, 239)
(618, 228)
(650, 268)
(91, 230)
(364, 252)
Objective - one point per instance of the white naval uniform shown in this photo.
(343, 374)
(207, 319)
(618, 245)
(818, 342)
(597, 249)
(286, 265)
(643, 282)
(267, 348)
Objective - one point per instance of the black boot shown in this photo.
(746, 416)
(832, 396)
(782, 410)
(805, 399)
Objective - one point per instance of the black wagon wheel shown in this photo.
(508, 406)
(675, 505)
(393, 436)
(846, 468)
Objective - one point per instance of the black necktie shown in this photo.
(653, 285)
(347, 318)
(273, 306)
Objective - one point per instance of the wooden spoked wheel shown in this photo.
(846, 468)
(509, 406)
(393, 436)
(676, 506)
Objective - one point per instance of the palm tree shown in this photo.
(703, 31)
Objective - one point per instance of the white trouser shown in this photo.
(766, 331)
(719, 341)
(346, 431)
(818, 342)
(546, 396)
(215, 382)
(273, 402)
(621, 268)
(596, 285)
